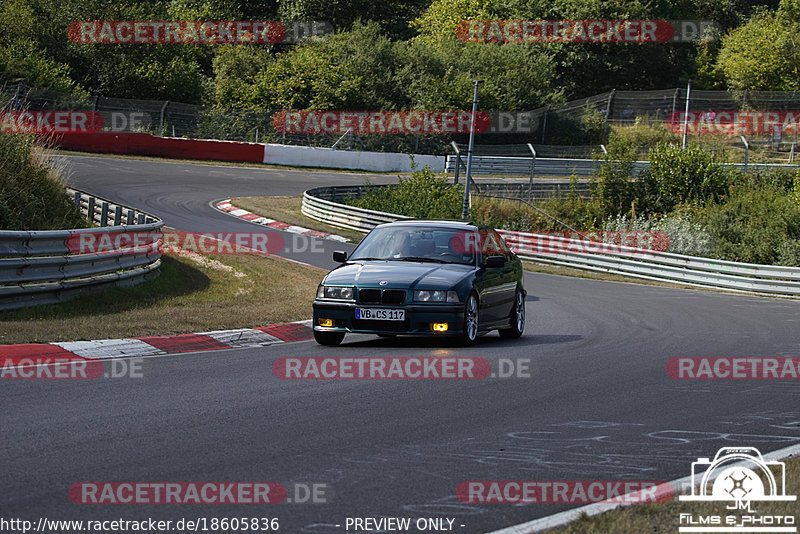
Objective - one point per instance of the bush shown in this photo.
(755, 225)
(789, 253)
(645, 132)
(686, 235)
(682, 176)
(31, 195)
(423, 196)
(614, 189)
(574, 211)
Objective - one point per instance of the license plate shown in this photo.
(380, 314)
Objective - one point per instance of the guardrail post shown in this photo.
(117, 215)
(458, 162)
(104, 214)
(161, 119)
(90, 210)
(78, 198)
(746, 151)
(131, 217)
(533, 168)
(140, 219)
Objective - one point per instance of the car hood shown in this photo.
(399, 274)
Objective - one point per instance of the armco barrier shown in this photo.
(41, 267)
(318, 203)
(579, 167)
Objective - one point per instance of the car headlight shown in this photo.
(335, 292)
(435, 295)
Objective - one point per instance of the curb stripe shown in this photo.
(110, 348)
(161, 345)
(184, 343)
(230, 209)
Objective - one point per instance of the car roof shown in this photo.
(427, 223)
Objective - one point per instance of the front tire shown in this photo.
(517, 319)
(328, 338)
(471, 323)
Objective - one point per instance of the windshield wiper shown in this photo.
(423, 259)
(367, 259)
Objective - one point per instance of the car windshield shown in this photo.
(413, 243)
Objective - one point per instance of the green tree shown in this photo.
(763, 54)
(392, 17)
(353, 70)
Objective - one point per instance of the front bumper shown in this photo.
(418, 318)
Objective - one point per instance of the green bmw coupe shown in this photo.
(427, 278)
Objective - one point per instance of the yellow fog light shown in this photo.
(439, 327)
(325, 322)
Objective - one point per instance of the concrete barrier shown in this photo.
(306, 156)
(142, 144)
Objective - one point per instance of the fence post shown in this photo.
(533, 168)
(77, 197)
(104, 214)
(91, 209)
(746, 151)
(131, 217)
(161, 119)
(458, 162)
(544, 121)
(675, 100)
(686, 114)
(608, 113)
(117, 215)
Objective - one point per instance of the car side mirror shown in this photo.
(492, 262)
(340, 256)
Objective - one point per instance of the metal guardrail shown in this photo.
(582, 168)
(627, 261)
(342, 215)
(42, 267)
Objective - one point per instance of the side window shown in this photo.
(492, 244)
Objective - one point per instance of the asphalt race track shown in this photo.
(598, 404)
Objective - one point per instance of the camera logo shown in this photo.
(739, 476)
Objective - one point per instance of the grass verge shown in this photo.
(193, 293)
(665, 518)
(288, 210)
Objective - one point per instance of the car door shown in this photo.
(499, 283)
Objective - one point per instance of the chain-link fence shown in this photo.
(735, 125)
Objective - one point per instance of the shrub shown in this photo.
(423, 196)
(755, 225)
(614, 189)
(574, 211)
(31, 195)
(686, 235)
(681, 176)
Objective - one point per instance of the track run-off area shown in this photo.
(596, 402)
